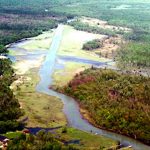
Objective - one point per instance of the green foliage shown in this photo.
(9, 106)
(134, 54)
(42, 141)
(10, 125)
(3, 49)
(12, 135)
(18, 27)
(92, 29)
(94, 44)
(134, 14)
(64, 129)
(115, 101)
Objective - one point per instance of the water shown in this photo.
(71, 108)
(81, 60)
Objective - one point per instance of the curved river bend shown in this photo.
(71, 108)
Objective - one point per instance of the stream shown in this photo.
(71, 107)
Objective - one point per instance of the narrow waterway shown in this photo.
(71, 108)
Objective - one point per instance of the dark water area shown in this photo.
(35, 130)
(81, 60)
(72, 142)
(23, 54)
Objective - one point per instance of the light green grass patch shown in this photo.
(12, 135)
(72, 42)
(41, 42)
(63, 76)
(39, 108)
(87, 140)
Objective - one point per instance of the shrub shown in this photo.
(94, 44)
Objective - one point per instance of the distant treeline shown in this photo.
(15, 36)
(17, 26)
(92, 29)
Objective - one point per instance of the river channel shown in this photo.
(71, 107)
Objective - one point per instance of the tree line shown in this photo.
(9, 106)
(91, 29)
(115, 101)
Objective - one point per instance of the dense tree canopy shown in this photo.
(115, 101)
(9, 107)
(134, 54)
(90, 45)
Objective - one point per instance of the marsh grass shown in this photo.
(39, 108)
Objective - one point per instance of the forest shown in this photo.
(115, 101)
(134, 54)
(9, 106)
(15, 27)
(18, 21)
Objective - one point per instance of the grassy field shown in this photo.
(71, 45)
(42, 42)
(39, 107)
(63, 76)
(73, 41)
(87, 140)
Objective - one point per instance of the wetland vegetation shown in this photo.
(113, 100)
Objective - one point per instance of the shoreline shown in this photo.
(86, 115)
